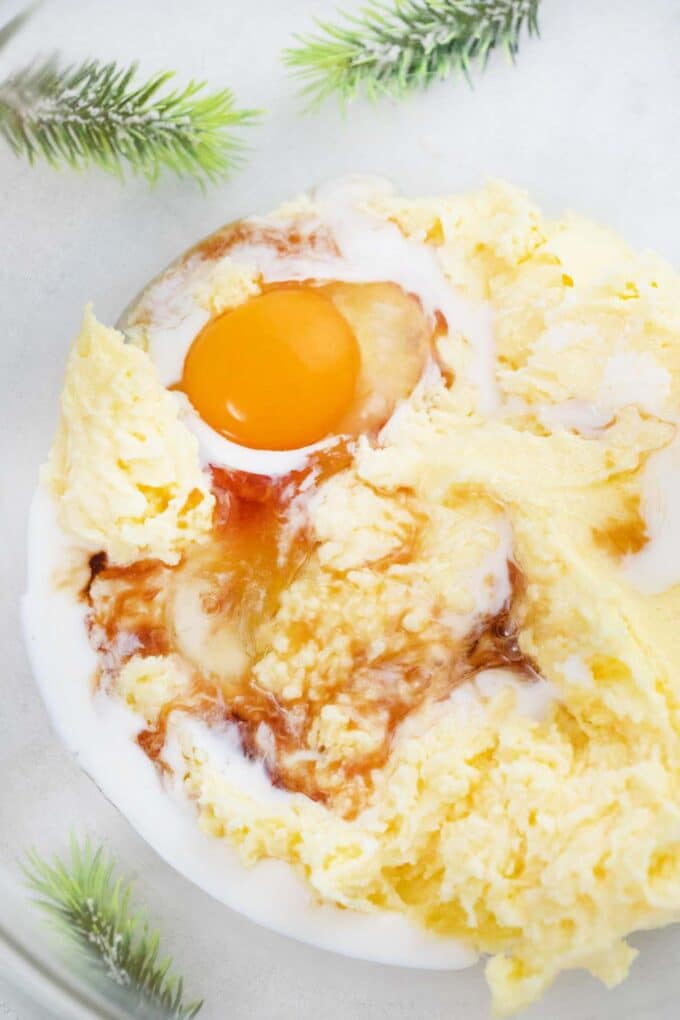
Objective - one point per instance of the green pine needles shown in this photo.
(91, 909)
(394, 48)
(97, 113)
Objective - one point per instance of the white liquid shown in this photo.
(532, 700)
(576, 671)
(577, 415)
(631, 377)
(216, 449)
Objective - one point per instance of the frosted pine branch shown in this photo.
(99, 114)
(393, 48)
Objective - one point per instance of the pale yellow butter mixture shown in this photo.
(544, 839)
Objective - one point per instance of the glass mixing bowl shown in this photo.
(579, 121)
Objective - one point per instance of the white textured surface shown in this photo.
(587, 120)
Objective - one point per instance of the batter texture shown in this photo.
(457, 657)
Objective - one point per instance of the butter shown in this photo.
(537, 822)
(123, 467)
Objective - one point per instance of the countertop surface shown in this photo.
(588, 120)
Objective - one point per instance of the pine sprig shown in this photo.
(389, 49)
(98, 114)
(91, 909)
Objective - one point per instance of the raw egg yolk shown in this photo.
(276, 373)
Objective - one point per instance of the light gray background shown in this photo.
(588, 119)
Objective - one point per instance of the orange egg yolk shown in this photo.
(276, 373)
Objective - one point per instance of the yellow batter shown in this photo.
(544, 839)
